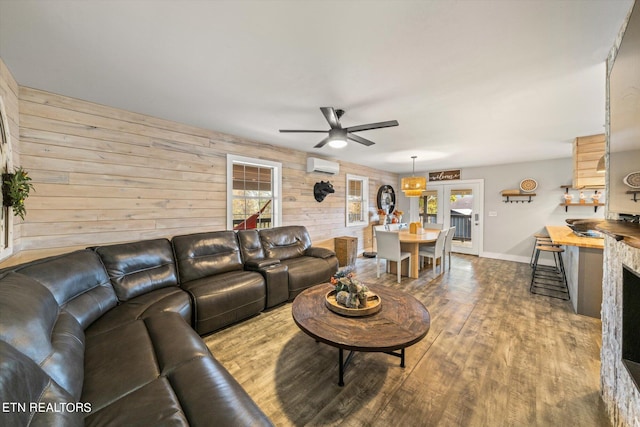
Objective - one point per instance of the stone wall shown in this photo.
(619, 392)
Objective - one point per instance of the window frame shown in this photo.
(364, 200)
(276, 167)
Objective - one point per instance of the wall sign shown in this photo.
(444, 175)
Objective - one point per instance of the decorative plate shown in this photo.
(373, 305)
(632, 180)
(528, 185)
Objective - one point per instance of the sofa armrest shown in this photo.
(257, 264)
(318, 252)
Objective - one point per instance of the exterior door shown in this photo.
(458, 204)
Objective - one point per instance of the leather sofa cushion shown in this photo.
(165, 299)
(157, 371)
(206, 254)
(250, 245)
(23, 382)
(226, 298)
(285, 242)
(308, 271)
(78, 281)
(31, 321)
(139, 267)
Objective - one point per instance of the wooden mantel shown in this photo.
(629, 232)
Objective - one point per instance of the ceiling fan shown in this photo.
(337, 134)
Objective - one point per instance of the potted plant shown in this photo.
(15, 189)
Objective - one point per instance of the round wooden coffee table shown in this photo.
(402, 321)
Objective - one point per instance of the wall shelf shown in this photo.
(635, 194)
(507, 194)
(595, 205)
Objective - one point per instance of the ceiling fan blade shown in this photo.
(360, 139)
(331, 116)
(322, 143)
(372, 126)
(302, 131)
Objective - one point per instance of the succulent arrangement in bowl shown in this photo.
(350, 292)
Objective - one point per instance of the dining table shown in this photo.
(410, 242)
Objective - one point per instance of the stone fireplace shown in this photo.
(619, 390)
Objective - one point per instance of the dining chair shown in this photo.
(389, 249)
(434, 252)
(377, 228)
(447, 244)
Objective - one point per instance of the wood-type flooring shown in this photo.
(495, 355)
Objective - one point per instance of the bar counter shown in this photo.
(582, 258)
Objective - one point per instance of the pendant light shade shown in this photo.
(414, 186)
(600, 167)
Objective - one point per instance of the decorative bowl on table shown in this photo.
(372, 305)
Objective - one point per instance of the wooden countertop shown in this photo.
(563, 235)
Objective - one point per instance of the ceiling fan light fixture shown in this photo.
(413, 186)
(338, 143)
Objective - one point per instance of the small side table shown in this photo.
(346, 248)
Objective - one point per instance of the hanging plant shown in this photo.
(15, 189)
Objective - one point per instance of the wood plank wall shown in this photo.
(103, 175)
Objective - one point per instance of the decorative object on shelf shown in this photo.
(382, 213)
(386, 198)
(413, 186)
(15, 189)
(322, 189)
(350, 297)
(568, 197)
(632, 180)
(528, 185)
(397, 216)
(508, 194)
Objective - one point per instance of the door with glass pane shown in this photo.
(458, 204)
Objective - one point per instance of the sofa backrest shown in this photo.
(250, 245)
(285, 242)
(30, 390)
(136, 268)
(78, 282)
(31, 321)
(205, 254)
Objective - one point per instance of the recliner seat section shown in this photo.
(211, 270)
(307, 265)
(107, 333)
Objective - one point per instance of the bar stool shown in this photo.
(541, 239)
(551, 282)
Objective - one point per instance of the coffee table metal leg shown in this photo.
(342, 365)
(400, 355)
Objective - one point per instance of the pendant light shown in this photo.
(414, 186)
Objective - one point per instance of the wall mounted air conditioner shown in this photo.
(318, 165)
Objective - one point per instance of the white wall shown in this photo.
(508, 235)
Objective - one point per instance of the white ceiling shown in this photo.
(471, 82)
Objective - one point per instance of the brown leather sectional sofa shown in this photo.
(110, 335)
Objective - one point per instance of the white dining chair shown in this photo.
(434, 252)
(389, 249)
(377, 228)
(447, 244)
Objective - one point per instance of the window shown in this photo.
(253, 193)
(357, 200)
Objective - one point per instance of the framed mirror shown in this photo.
(386, 198)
